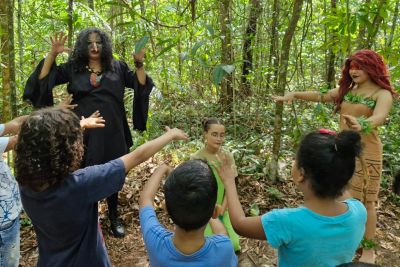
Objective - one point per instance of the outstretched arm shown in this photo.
(148, 149)
(150, 189)
(57, 47)
(12, 127)
(245, 226)
(313, 96)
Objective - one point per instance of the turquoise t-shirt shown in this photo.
(305, 238)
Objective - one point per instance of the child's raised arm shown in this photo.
(245, 226)
(12, 127)
(148, 149)
(150, 189)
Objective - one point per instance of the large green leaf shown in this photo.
(141, 43)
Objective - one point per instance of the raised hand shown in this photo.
(177, 134)
(140, 55)
(225, 169)
(66, 103)
(289, 97)
(57, 44)
(93, 121)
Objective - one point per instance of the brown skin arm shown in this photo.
(150, 189)
(245, 226)
(313, 96)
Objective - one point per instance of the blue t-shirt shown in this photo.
(10, 201)
(216, 251)
(305, 238)
(65, 216)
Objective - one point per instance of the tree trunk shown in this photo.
(91, 4)
(362, 31)
(283, 65)
(255, 11)
(273, 60)
(330, 71)
(375, 24)
(394, 23)
(226, 54)
(9, 109)
(20, 38)
(70, 22)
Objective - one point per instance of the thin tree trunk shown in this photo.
(7, 54)
(226, 54)
(362, 31)
(330, 72)
(255, 11)
(283, 65)
(21, 45)
(273, 60)
(70, 23)
(376, 24)
(394, 23)
(348, 23)
(91, 4)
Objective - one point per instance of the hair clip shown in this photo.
(326, 131)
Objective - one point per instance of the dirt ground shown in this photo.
(130, 250)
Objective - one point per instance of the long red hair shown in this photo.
(370, 62)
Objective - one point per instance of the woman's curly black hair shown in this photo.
(49, 148)
(80, 54)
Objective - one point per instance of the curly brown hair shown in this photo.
(49, 148)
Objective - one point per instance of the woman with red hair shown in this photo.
(363, 99)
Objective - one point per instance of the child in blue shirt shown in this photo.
(190, 198)
(61, 199)
(324, 231)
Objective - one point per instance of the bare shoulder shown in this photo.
(382, 93)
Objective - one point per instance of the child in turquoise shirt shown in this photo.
(323, 231)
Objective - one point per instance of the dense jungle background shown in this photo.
(219, 59)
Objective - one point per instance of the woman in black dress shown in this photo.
(97, 81)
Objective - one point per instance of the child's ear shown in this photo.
(215, 213)
(301, 175)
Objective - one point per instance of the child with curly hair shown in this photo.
(61, 199)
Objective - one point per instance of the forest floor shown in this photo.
(130, 250)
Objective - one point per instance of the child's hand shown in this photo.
(225, 170)
(94, 121)
(66, 103)
(177, 134)
(164, 169)
(220, 210)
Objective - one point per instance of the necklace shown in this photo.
(95, 77)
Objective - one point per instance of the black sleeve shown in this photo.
(141, 96)
(40, 92)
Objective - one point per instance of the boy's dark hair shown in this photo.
(396, 183)
(328, 161)
(80, 53)
(49, 147)
(190, 194)
(207, 122)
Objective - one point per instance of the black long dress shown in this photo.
(102, 144)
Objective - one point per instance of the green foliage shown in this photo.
(141, 43)
(254, 210)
